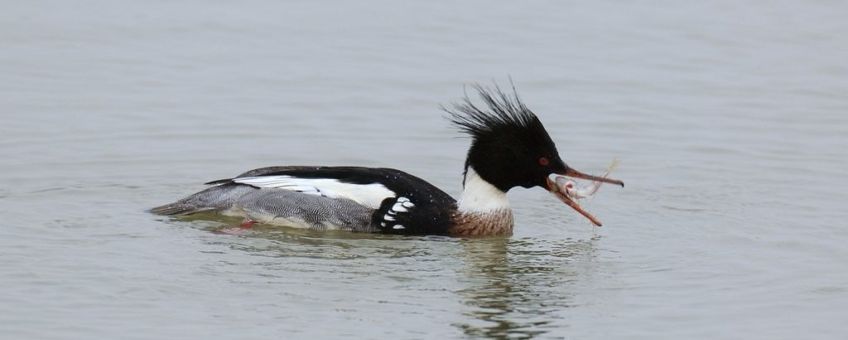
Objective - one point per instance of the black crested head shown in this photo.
(510, 147)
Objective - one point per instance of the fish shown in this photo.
(570, 188)
(567, 191)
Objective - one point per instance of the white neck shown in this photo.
(481, 196)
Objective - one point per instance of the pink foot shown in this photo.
(242, 228)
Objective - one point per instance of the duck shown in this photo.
(509, 148)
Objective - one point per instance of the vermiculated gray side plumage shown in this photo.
(292, 208)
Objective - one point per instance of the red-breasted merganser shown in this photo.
(509, 148)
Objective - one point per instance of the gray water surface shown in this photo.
(730, 120)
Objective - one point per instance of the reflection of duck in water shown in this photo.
(509, 148)
(516, 291)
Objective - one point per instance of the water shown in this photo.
(729, 119)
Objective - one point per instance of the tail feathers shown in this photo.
(177, 208)
(216, 198)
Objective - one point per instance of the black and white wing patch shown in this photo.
(400, 203)
(369, 195)
(395, 215)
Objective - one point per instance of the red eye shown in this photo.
(543, 161)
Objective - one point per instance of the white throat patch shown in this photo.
(481, 196)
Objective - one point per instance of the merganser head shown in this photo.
(510, 147)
